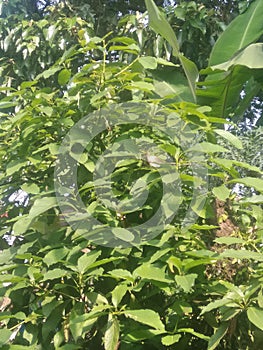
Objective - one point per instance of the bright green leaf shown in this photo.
(112, 333)
(186, 282)
(255, 316)
(147, 317)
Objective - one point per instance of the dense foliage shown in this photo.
(179, 88)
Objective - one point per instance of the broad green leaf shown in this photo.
(215, 305)
(52, 321)
(186, 282)
(11, 278)
(221, 192)
(165, 62)
(145, 316)
(118, 293)
(157, 255)
(208, 147)
(48, 305)
(41, 205)
(229, 240)
(48, 73)
(222, 91)
(251, 57)
(217, 336)
(150, 272)
(54, 274)
(260, 299)
(193, 332)
(14, 166)
(234, 140)
(230, 313)
(55, 255)
(112, 333)
(171, 339)
(22, 225)
(5, 334)
(30, 188)
(255, 316)
(202, 207)
(120, 273)
(64, 76)
(140, 85)
(256, 183)
(171, 85)
(148, 62)
(241, 254)
(123, 234)
(228, 165)
(86, 260)
(161, 26)
(256, 199)
(242, 31)
(7, 104)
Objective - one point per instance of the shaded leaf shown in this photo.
(112, 333)
(147, 317)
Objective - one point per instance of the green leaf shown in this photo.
(64, 76)
(7, 104)
(221, 192)
(202, 207)
(256, 199)
(86, 260)
(215, 305)
(5, 334)
(193, 332)
(256, 183)
(123, 234)
(112, 333)
(80, 324)
(255, 316)
(186, 282)
(250, 57)
(217, 336)
(41, 205)
(242, 31)
(161, 26)
(147, 317)
(208, 147)
(54, 274)
(150, 272)
(171, 339)
(140, 85)
(223, 92)
(171, 85)
(14, 166)
(234, 140)
(52, 322)
(55, 255)
(229, 240)
(30, 188)
(148, 62)
(241, 254)
(118, 293)
(48, 73)
(120, 273)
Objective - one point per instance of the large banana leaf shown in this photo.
(161, 26)
(242, 73)
(242, 31)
